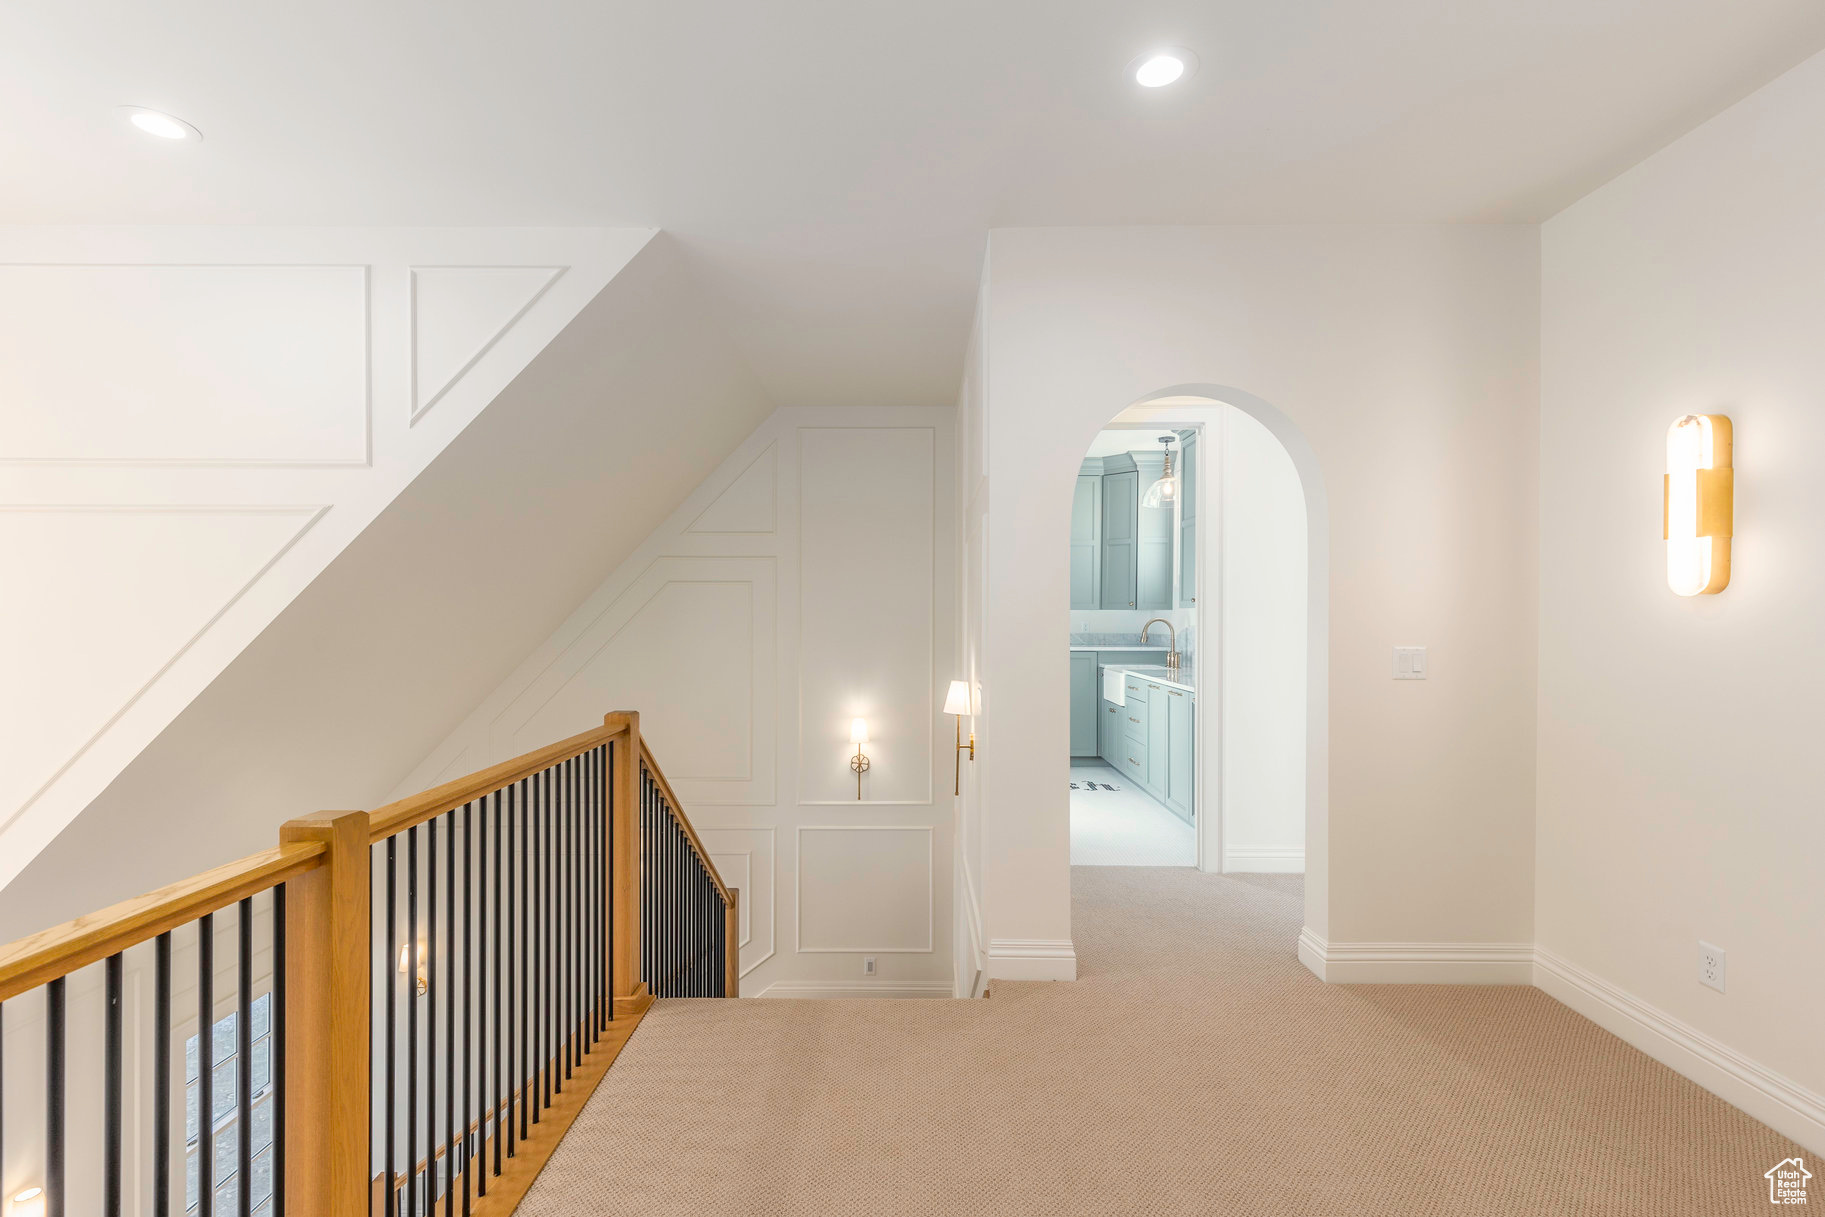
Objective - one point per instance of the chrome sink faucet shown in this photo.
(1172, 642)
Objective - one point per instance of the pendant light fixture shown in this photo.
(1165, 492)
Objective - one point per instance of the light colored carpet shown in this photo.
(1196, 1068)
(1124, 827)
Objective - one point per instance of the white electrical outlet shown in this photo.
(1409, 663)
(1711, 966)
(868, 965)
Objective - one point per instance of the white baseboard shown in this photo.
(1417, 963)
(1032, 959)
(1264, 860)
(1777, 1101)
(860, 988)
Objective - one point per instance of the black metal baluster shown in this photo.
(411, 1183)
(110, 1168)
(541, 925)
(449, 1140)
(161, 1076)
(608, 884)
(54, 1098)
(525, 1071)
(572, 954)
(431, 991)
(243, 1062)
(500, 1113)
(205, 1058)
(471, 995)
(488, 987)
(278, 1051)
(549, 1056)
(392, 1034)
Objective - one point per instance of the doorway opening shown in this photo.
(1189, 638)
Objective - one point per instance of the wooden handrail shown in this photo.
(395, 818)
(677, 809)
(60, 950)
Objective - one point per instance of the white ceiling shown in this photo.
(831, 169)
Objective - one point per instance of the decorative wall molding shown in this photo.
(749, 505)
(480, 304)
(856, 989)
(926, 831)
(1426, 963)
(540, 708)
(1264, 859)
(301, 518)
(1774, 1099)
(1032, 959)
(854, 633)
(91, 338)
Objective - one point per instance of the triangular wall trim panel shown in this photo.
(459, 313)
(749, 504)
(179, 568)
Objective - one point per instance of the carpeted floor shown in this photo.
(1195, 1068)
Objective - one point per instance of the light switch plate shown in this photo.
(1409, 663)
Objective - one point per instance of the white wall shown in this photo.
(1405, 359)
(1679, 739)
(805, 582)
(1261, 552)
(193, 423)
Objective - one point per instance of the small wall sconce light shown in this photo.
(957, 702)
(858, 735)
(405, 966)
(1698, 504)
(29, 1203)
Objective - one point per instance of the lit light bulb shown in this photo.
(1159, 70)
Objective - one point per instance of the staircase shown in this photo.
(407, 1007)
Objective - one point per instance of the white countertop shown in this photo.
(1116, 646)
(1182, 679)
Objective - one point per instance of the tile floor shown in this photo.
(1125, 827)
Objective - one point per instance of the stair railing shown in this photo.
(421, 999)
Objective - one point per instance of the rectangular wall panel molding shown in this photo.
(865, 889)
(197, 364)
(866, 612)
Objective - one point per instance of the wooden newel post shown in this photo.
(731, 949)
(328, 967)
(624, 813)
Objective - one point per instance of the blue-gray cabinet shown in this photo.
(1087, 542)
(1121, 539)
(1154, 538)
(1181, 750)
(1084, 699)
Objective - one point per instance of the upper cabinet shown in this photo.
(1153, 575)
(1087, 542)
(1121, 536)
(1125, 555)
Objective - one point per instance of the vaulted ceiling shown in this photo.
(831, 170)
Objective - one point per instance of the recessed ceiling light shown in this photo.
(1159, 68)
(162, 125)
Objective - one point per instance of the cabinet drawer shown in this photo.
(1134, 722)
(1133, 761)
(1136, 688)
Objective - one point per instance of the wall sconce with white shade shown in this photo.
(405, 967)
(29, 1203)
(858, 735)
(1698, 504)
(957, 702)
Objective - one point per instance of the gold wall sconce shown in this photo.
(405, 967)
(1698, 511)
(957, 702)
(858, 735)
